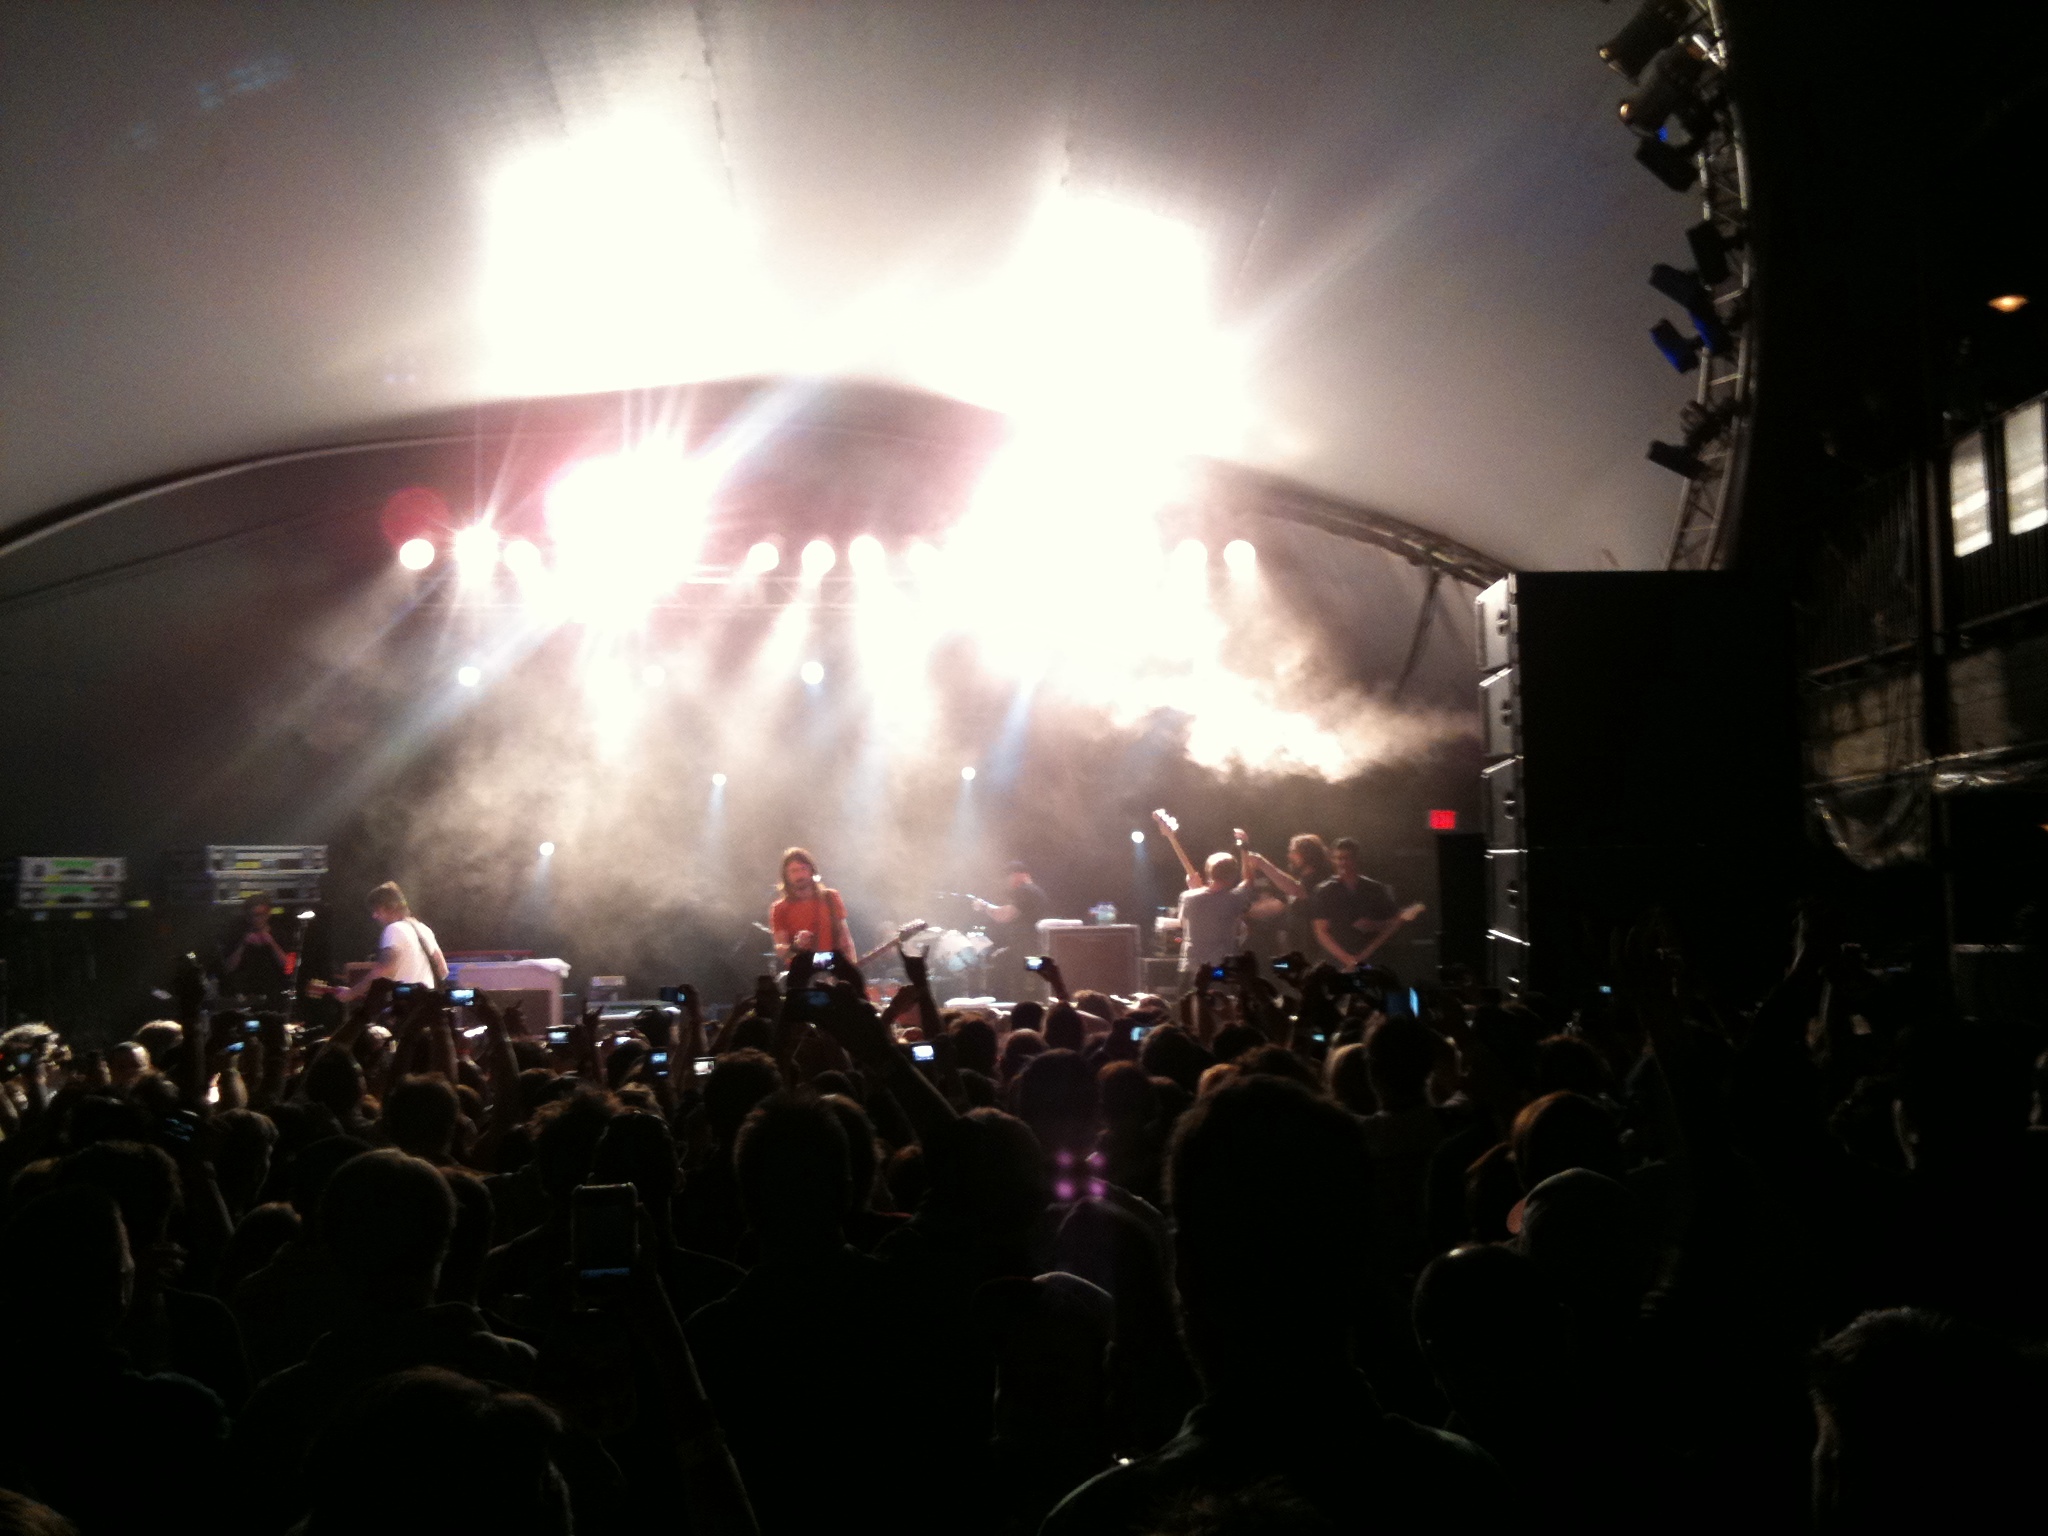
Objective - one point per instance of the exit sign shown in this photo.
(1443, 821)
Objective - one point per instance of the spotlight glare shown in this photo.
(718, 781)
(1239, 555)
(818, 558)
(416, 554)
(923, 560)
(866, 556)
(813, 673)
(2005, 304)
(469, 677)
(476, 549)
(547, 850)
(522, 558)
(967, 774)
(1137, 838)
(654, 674)
(761, 559)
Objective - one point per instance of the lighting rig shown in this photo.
(1689, 136)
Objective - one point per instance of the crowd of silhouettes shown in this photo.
(1303, 1255)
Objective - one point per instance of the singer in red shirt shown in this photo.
(807, 915)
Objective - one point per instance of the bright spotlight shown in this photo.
(627, 528)
(522, 558)
(718, 781)
(1137, 837)
(469, 677)
(1190, 557)
(1239, 555)
(923, 560)
(2005, 304)
(866, 556)
(812, 672)
(654, 674)
(967, 774)
(762, 559)
(416, 554)
(476, 549)
(819, 557)
(547, 850)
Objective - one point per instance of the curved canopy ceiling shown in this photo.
(1394, 252)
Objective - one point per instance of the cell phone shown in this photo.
(181, 1126)
(471, 1034)
(823, 960)
(560, 1036)
(24, 1059)
(252, 1026)
(1034, 962)
(679, 994)
(238, 1047)
(923, 1050)
(405, 990)
(816, 998)
(1220, 972)
(1140, 1031)
(1609, 991)
(659, 1061)
(703, 1066)
(1320, 1037)
(604, 1233)
(461, 997)
(1287, 965)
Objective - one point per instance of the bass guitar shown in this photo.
(1172, 830)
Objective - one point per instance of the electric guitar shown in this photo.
(1172, 830)
(908, 930)
(1402, 919)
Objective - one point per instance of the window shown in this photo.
(2026, 469)
(1969, 496)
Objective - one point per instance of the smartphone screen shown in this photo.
(404, 990)
(471, 1034)
(1219, 973)
(1034, 962)
(461, 997)
(1140, 1031)
(238, 1047)
(251, 1026)
(703, 1066)
(823, 960)
(923, 1050)
(603, 1232)
(659, 1060)
(558, 1037)
(817, 997)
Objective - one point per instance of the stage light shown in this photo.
(967, 774)
(818, 558)
(761, 559)
(1137, 838)
(2005, 304)
(654, 674)
(1679, 460)
(1710, 248)
(469, 677)
(547, 850)
(923, 560)
(627, 528)
(866, 556)
(1648, 33)
(1681, 352)
(1668, 88)
(1687, 289)
(1674, 167)
(812, 672)
(1190, 557)
(522, 559)
(718, 781)
(476, 549)
(416, 554)
(1239, 555)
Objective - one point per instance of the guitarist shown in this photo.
(808, 914)
(1348, 910)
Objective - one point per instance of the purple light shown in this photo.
(1064, 1190)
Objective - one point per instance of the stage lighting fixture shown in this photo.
(812, 672)
(1137, 838)
(1686, 288)
(547, 850)
(1648, 33)
(866, 556)
(2005, 304)
(762, 559)
(1681, 352)
(469, 677)
(522, 558)
(1239, 555)
(718, 781)
(818, 558)
(654, 674)
(416, 554)
(1710, 248)
(1667, 88)
(1679, 460)
(476, 549)
(1674, 167)
(967, 774)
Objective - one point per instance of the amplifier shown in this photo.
(247, 858)
(1102, 957)
(45, 895)
(233, 888)
(61, 869)
(1162, 976)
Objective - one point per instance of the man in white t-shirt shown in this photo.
(406, 948)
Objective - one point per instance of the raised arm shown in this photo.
(1252, 859)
